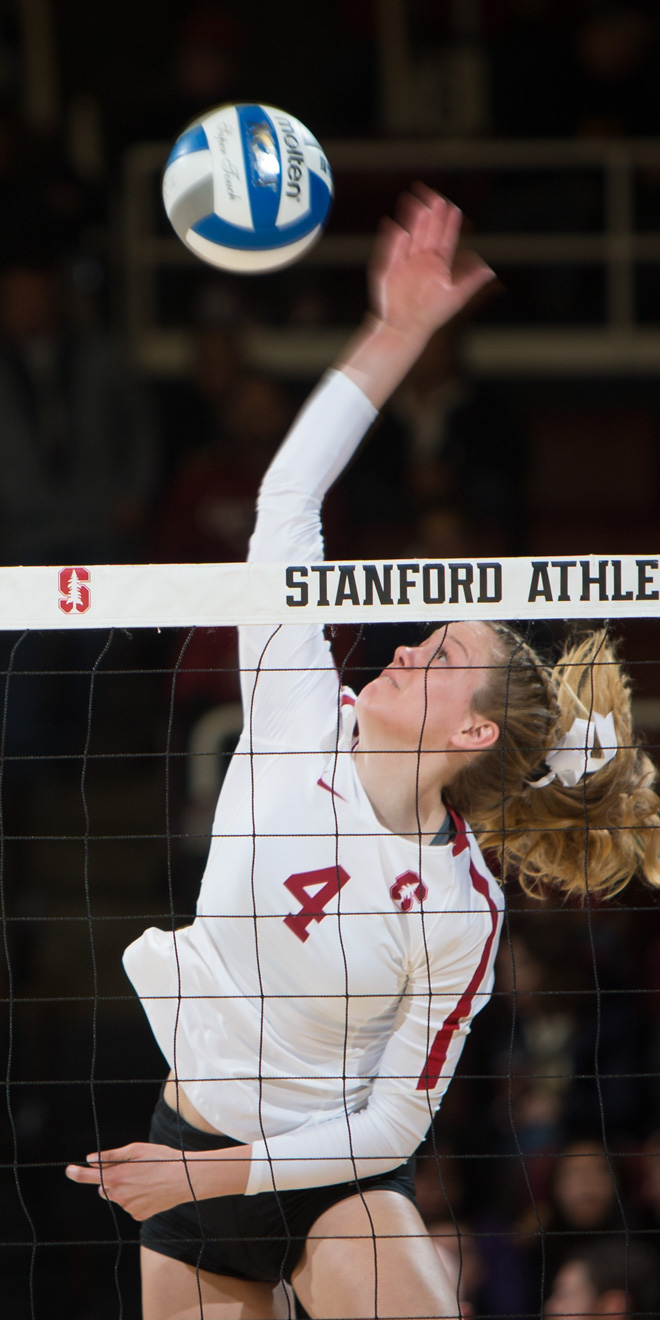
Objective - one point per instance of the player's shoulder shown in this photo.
(342, 722)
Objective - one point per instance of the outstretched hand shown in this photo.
(142, 1177)
(419, 279)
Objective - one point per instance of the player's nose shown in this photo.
(405, 656)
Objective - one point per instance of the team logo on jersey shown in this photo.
(75, 590)
(408, 891)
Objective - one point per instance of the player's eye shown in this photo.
(439, 657)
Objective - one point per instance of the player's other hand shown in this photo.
(419, 277)
(143, 1178)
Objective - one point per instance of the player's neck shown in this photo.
(404, 791)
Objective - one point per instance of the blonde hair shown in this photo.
(590, 839)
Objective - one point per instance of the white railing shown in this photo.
(618, 343)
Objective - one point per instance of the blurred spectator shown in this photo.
(354, 60)
(607, 1049)
(43, 204)
(617, 67)
(564, 1061)
(440, 1191)
(191, 411)
(206, 68)
(613, 1278)
(555, 74)
(584, 1187)
(648, 1176)
(533, 1052)
(650, 980)
(493, 1268)
(524, 1102)
(592, 73)
(446, 468)
(585, 1198)
(78, 464)
(439, 1181)
(464, 449)
(208, 510)
(531, 74)
(75, 444)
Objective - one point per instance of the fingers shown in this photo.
(391, 245)
(445, 220)
(432, 222)
(99, 1162)
(422, 232)
(121, 1155)
(81, 1173)
(435, 224)
(417, 219)
(449, 225)
(92, 1177)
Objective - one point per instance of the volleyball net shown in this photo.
(119, 713)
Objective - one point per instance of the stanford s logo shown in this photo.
(408, 891)
(75, 591)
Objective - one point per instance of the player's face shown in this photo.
(430, 687)
(573, 1294)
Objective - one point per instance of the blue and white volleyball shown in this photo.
(247, 188)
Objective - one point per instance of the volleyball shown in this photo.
(247, 188)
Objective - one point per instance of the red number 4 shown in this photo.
(331, 879)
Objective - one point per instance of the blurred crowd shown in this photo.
(541, 1180)
(531, 68)
(544, 1160)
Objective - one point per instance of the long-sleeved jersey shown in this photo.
(318, 1005)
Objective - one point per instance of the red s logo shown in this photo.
(75, 591)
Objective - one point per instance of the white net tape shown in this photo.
(211, 595)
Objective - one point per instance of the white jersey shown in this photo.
(318, 1005)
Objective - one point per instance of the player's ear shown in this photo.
(477, 734)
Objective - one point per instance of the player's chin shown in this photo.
(369, 703)
(379, 690)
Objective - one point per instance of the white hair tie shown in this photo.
(574, 754)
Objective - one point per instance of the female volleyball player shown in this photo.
(313, 1014)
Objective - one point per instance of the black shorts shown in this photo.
(260, 1238)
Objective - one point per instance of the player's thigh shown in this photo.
(373, 1257)
(172, 1290)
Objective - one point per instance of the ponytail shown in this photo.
(589, 839)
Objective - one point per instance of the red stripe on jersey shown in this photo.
(347, 700)
(438, 1053)
(460, 842)
(321, 784)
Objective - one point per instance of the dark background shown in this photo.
(141, 395)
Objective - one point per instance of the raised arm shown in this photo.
(418, 280)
